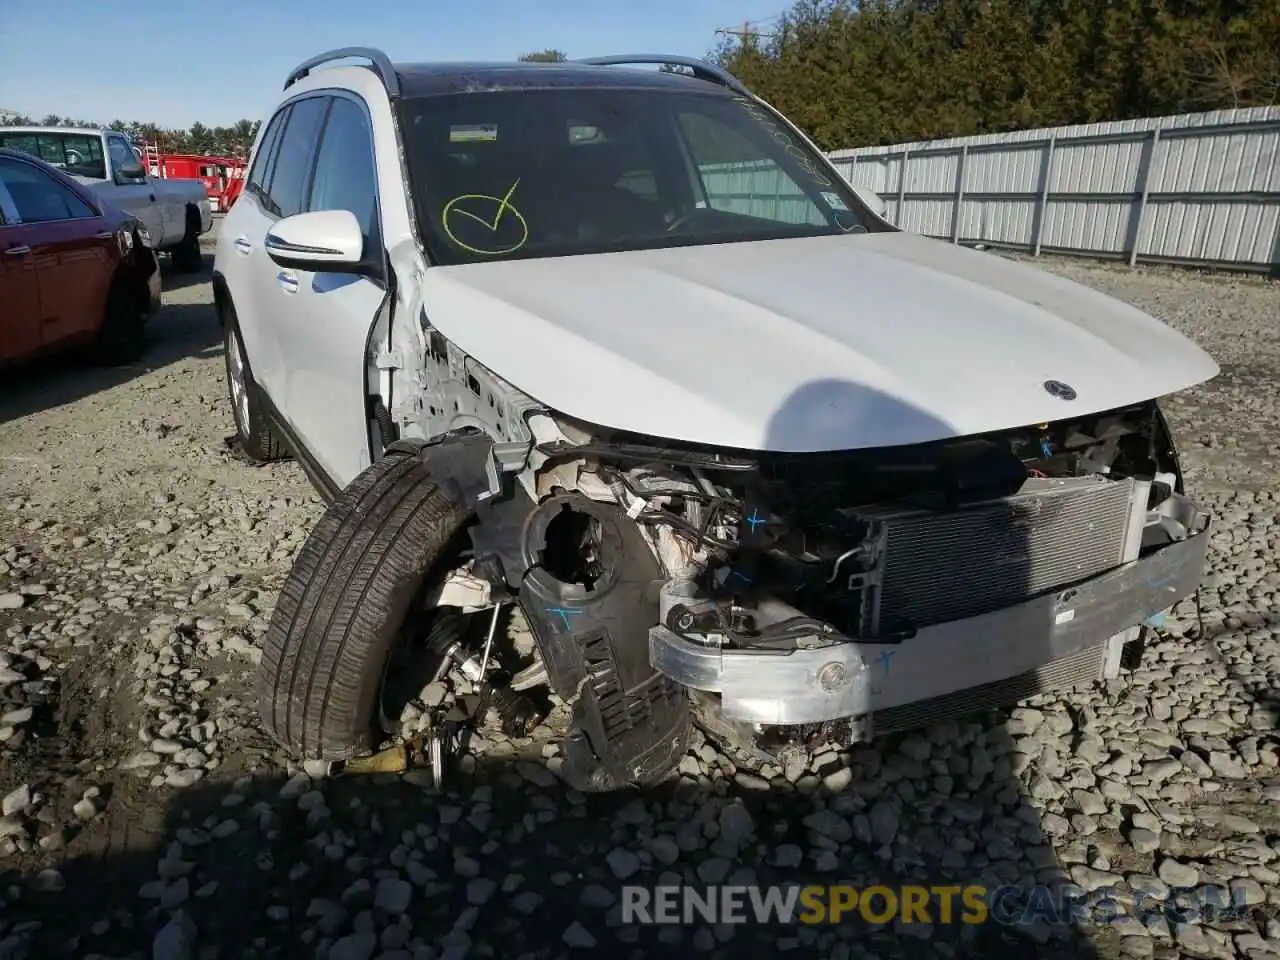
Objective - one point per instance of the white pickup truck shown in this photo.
(174, 212)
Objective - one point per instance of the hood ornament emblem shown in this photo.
(1063, 391)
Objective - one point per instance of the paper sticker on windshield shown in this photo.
(834, 201)
(473, 132)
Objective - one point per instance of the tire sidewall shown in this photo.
(187, 256)
(366, 635)
(231, 341)
(120, 338)
(254, 436)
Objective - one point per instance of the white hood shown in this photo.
(824, 343)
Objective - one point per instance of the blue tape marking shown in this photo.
(886, 659)
(564, 615)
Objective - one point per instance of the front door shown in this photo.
(324, 319)
(134, 192)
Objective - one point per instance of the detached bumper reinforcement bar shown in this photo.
(856, 679)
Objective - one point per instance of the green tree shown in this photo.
(860, 72)
(198, 139)
(545, 56)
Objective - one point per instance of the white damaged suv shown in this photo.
(618, 347)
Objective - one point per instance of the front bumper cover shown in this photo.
(858, 679)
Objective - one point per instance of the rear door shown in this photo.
(19, 287)
(69, 245)
(325, 318)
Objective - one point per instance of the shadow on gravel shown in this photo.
(1223, 640)
(173, 280)
(505, 863)
(178, 331)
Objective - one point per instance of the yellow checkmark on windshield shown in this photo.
(504, 207)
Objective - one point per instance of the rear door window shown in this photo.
(79, 154)
(259, 180)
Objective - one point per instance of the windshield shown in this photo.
(508, 174)
(78, 154)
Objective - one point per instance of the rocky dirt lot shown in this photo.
(144, 814)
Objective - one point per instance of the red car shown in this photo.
(72, 272)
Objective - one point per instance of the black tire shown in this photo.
(187, 257)
(257, 439)
(344, 605)
(121, 338)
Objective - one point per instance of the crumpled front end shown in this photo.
(955, 610)
(784, 599)
(842, 595)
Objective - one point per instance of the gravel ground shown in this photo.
(144, 814)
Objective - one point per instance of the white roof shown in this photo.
(88, 131)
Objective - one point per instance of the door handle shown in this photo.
(243, 245)
(287, 281)
(18, 251)
(153, 198)
(104, 235)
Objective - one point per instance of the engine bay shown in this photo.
(778, 551)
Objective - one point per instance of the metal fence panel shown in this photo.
(1201, 188)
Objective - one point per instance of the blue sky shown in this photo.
(177, 61)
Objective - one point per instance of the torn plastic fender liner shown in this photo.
(630, 723)
(464, 467)
(461, 463)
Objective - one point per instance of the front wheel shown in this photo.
(345, 604)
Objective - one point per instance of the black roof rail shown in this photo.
(379, 61)
(701, 68)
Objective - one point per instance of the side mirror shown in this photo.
(326, 241)
(130, 173)
(872, 199)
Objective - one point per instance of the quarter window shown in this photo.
(345, 177)
(39, 198)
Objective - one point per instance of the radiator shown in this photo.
(941, 566)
